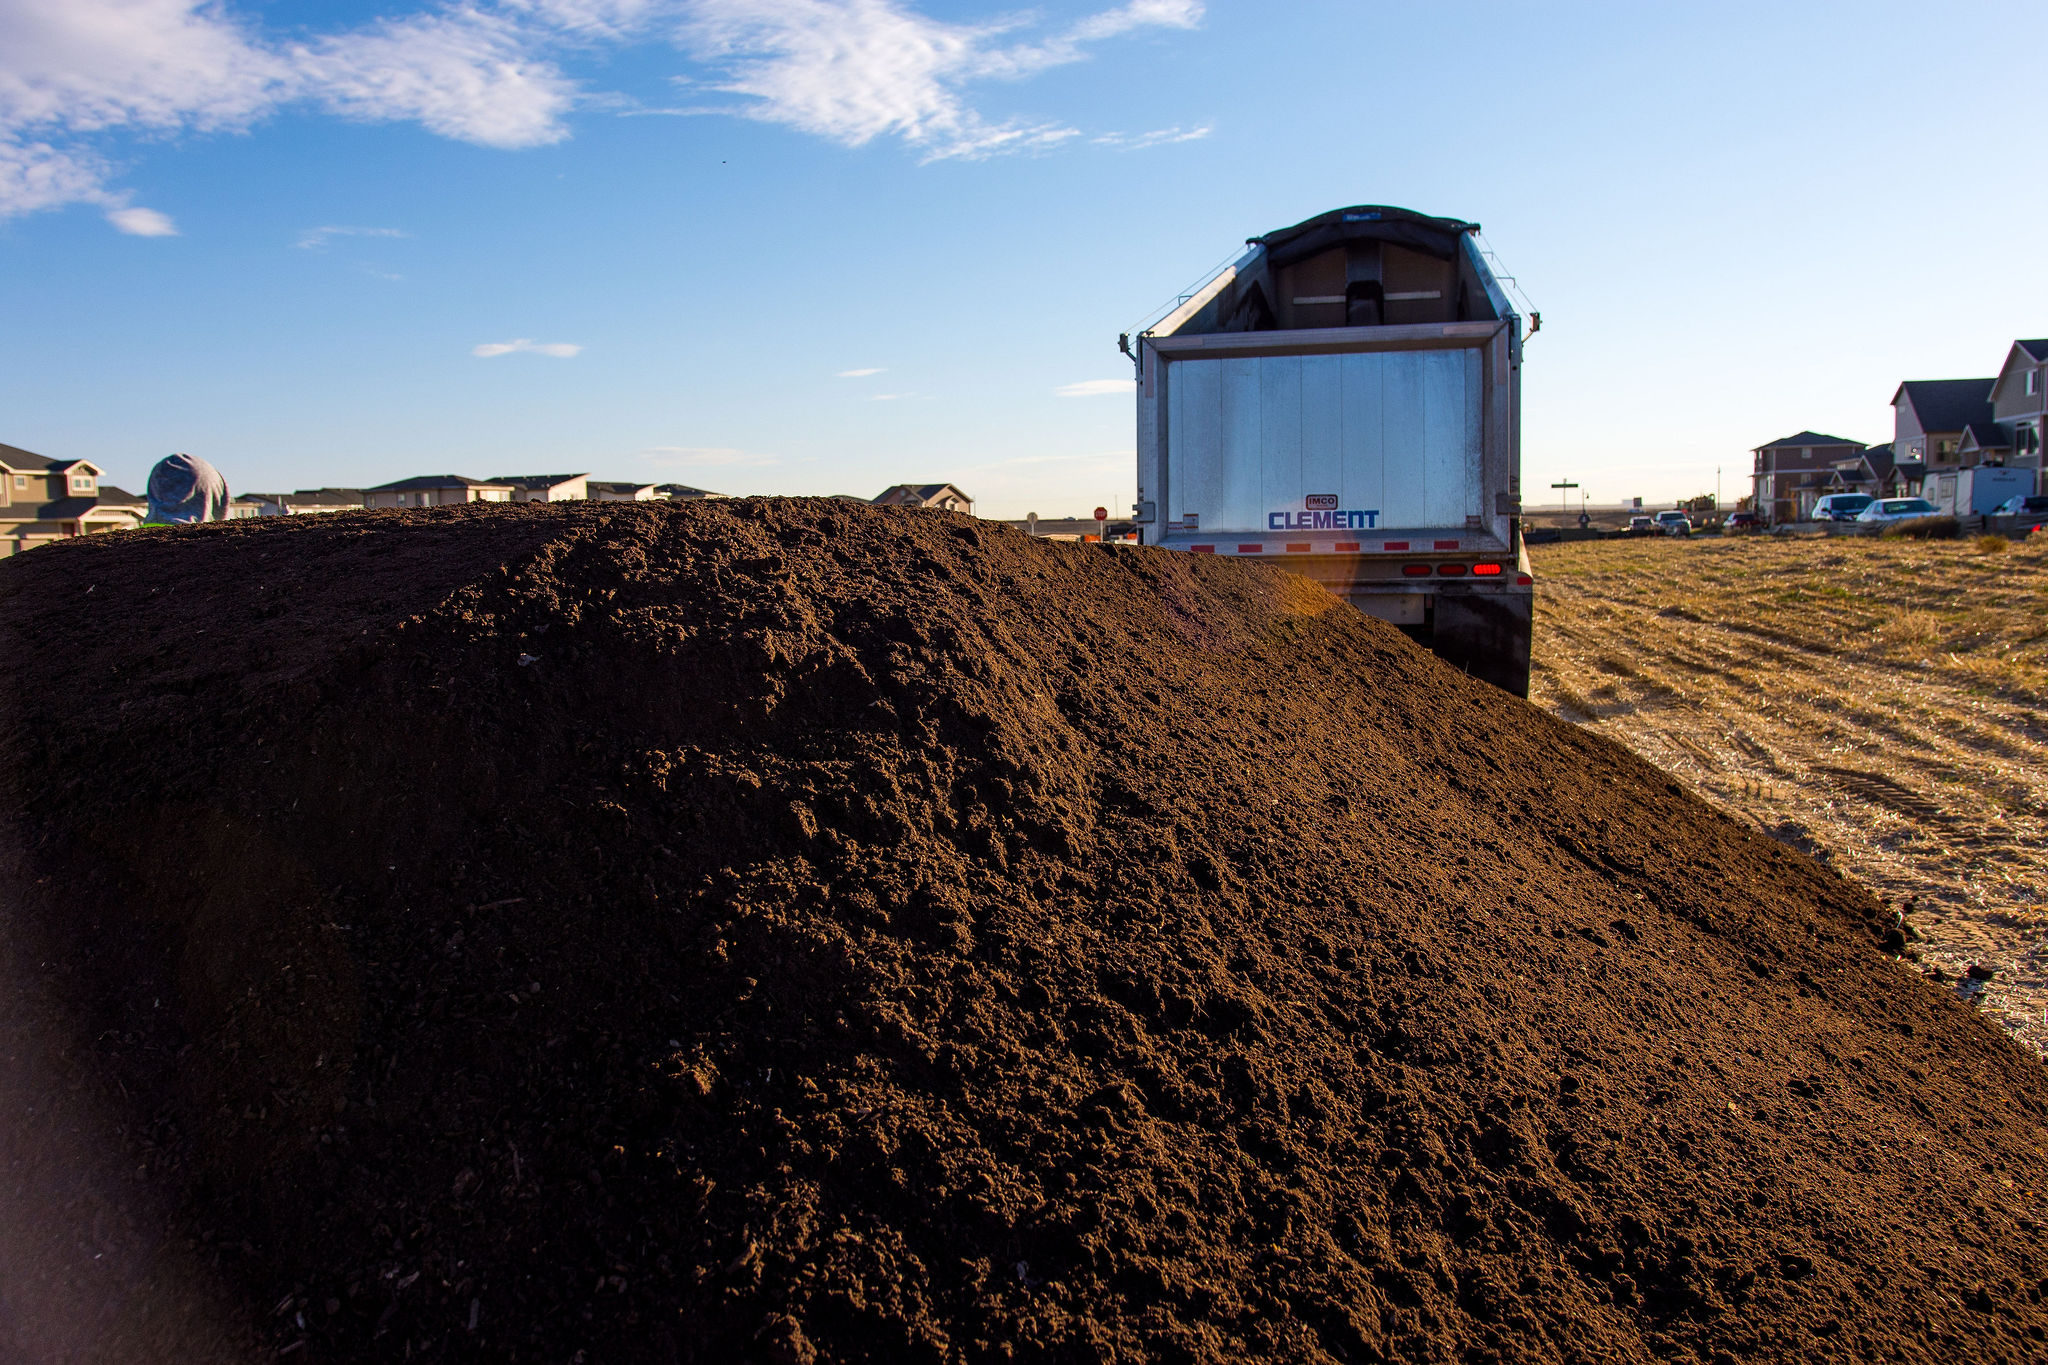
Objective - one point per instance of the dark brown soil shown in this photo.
(794, 931)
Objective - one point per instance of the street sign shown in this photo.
(1102, 514)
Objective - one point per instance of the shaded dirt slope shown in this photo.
(793, 931)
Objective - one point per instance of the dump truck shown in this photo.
(1345, 399)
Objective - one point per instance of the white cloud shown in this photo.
(561, 349)
(73, 69)
(1159, 137)
(704, 457)
(74, 73)
(142, 222)
(465, 74)
(854, 70)
(312, 239)
(857, 374)
(1096, 388)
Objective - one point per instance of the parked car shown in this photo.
(1674, 523)
(1841, 506)
(1742, 521)
(1886, 511)
(1642, 526)
(2021, 515)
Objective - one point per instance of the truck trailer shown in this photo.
(1345, 399)
(1978, 490)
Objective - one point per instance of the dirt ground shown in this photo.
(784, 932)
(1877, 703)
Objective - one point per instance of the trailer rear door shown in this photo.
(1397, 434)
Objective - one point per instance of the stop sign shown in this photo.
(1102, 514)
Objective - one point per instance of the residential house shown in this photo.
(436, 490)
(943, 496)
(608, 491)
(2019, 401)
(1983, 443)
(1874, 472)
(1790, 473)
(1931, 415)
(547, 487)
(682, 492)
(243, 506)
(42, 499)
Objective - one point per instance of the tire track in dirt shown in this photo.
(1925, 785)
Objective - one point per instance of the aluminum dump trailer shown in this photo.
(1345, 399)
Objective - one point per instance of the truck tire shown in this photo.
(1486, 635)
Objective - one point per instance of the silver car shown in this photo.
(1885, 511)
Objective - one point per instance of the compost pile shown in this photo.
(796, 931)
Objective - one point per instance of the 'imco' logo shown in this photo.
(1323, 514)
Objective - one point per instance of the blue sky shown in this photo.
(816, 246)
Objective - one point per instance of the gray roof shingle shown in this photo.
(1948, 404)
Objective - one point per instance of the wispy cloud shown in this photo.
(855, 70)
(142, 222)
(312, 239)
(75, 73)
(705, 457)
(1158, 137)
(561, 349)
(857, 374)
(73, 70)
(891, 397)
(1096, 388)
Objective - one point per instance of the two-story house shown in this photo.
(1790, 473)
(436, 490)
(943, 496)
(2019, 401)
(1931, 416)
(42, 500)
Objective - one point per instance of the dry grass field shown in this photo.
(1882, 704)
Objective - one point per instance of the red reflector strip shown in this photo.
(1395, 545)
(1347, 547)
(1486, 570)
(1447, 545)
(1523, 580)
(1297, 549)
(1254, 549)
(1201, 549)
(1451, 570)
(1415, 570)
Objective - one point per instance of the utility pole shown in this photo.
(1563, 498)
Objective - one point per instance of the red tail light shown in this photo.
(1415, 570)
(1451, 570)
(1201, 549)
(1486, 570)
(1523, 580)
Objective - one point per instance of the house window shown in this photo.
(81, 483)
(21, 480)
(2033, 382)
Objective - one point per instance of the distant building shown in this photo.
(2019, 401)
(607, 491)
(1931, 415)
(306, 500)
(1790, 473)
(436, 490)
(547, 487)
(943, 496)
(682, 492)
(42, 500)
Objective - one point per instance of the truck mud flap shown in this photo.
(1486, 635)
